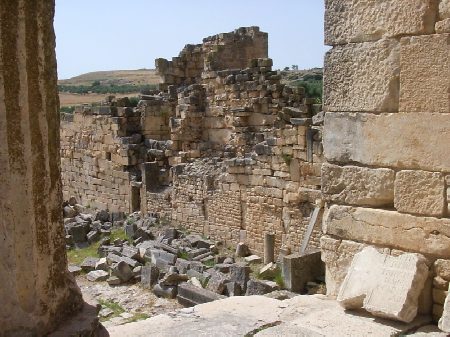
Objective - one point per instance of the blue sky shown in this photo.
(119, 34)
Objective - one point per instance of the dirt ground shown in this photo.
(125, 303)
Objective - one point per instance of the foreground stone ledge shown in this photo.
(409, 141)
(425, 235)
(362, 77)
(420, 192)
(353, 185)
(425, 73)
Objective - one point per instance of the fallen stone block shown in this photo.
(196, 252)
(190, 295)
(182, 265)
(384, 285)
(223, 268)
(298, 269)
(217, 282)
(97, 275)
(165, 291)
(74, 270)
(260, 287)
(240, 273)
(149, 276)
(242, 250)
(131, 252)
(93, 236)
(89, 263)
(268, 271)
(122, 270)
(253, 259)
(114, 281)
(102, 264)
(173, 279)
(233, 289)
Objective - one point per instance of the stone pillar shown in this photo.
(269, 248)
(36, 291)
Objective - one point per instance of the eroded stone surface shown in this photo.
(444, 322)
(409, 141)
(353, 185)
(362, 77)
(420, 192)
(359, 21)
(425, 73)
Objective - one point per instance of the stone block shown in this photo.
(425, 73)
(89, 263)
(439, 296)
(149, 276)
(97, 275)
(442, 268)
(217, 282)
(388, 228)
(240, 274)
(165, 291)
(299, 269)
(350, 68)
(384, 285)
(376, 140)
(353, 185)
(444, 322)
(358, 21)
(420, 192)
(122, 270)
(260, 287)
(190, 295)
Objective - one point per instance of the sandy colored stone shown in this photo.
(337, 256)
(359, 21)
(425, 73)
(362, 77)
(408, 141)
(442, 268)
(443, 26)
(444, 9)
(388, 228)
(386, 286)
(420, 192)
(353, 185)
(444, 322)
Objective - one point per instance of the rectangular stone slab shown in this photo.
(409, 141)
(425, 235)
(384, 285)
(362, 77)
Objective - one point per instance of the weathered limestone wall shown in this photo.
(228, 153)
(386, 130)
(36, 291)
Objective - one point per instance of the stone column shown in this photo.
(269, 248)
(36, 291)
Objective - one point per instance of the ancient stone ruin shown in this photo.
(226, 150)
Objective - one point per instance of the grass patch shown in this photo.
(210, 263)
(138, 317)
(113, 306)
(287, 158)
(77, 256)
(183, 255)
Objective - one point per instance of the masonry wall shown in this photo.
(386, 130)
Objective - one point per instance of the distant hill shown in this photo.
(115, 77)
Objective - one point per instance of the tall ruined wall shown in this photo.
(218, 52)
(36, 291)
(386, 130)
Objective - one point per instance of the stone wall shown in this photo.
(229, 153)
(386, 131)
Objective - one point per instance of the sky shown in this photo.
(93, 35)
